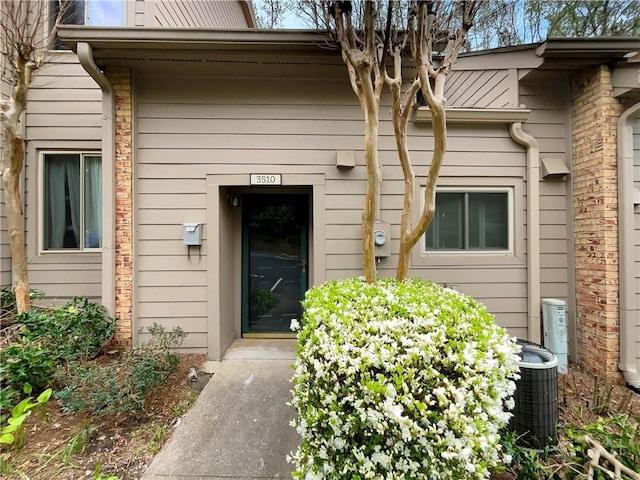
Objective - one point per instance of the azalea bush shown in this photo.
(400, 380)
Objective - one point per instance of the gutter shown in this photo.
(193, 39)
(85, 55)
(628, 329)
(591, 47)
(533, 229)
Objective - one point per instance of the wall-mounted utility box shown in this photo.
(382, 239)
(554, 322)
(192, 233)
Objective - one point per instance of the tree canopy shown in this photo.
(499, 23)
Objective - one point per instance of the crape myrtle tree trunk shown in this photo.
(365, 51)
(23, 46)
(362, 51)
(423, 32)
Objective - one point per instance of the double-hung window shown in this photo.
(476, 220)
(71, 201)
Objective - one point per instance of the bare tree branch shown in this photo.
(365, 53)
(23, 47)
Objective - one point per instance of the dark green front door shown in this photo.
(274, 261)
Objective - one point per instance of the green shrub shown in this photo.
(79, 329)
(8, 299)
(527, 463)
(48, 339)
(27, 362)
(121, 386)
(399, 380)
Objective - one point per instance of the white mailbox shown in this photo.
(192, 233)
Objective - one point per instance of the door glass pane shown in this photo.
(277, 260)
(447, 228)
(488, 221)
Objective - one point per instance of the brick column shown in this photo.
(120, 78)
(595, 113)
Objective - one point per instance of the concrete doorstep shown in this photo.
(239, 427)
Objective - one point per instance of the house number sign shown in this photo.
(266, 179)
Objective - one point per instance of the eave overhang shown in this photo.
(144, 39)
(578, 53)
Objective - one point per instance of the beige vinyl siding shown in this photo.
(198, 14)
(5, 253)
(636, 216)
(547, 124)
(287, 124)
(63, 114)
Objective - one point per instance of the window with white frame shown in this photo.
(71, 201)
(86, 12)
(471, 219)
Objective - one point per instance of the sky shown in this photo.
(105, 12)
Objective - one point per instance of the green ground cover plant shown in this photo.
(120, 387)
(48, 338)
(8, 300)
(619, 434)
(399, 380)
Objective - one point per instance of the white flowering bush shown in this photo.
(399, 380)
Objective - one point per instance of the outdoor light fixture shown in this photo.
(234, 200)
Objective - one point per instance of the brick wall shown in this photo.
(595, 204)
(120, 79)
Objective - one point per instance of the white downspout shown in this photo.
(85, 55)
(628, 330)
(533, 229)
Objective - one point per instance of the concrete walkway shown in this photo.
(239, 427)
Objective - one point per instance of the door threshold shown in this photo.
(269, 335)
